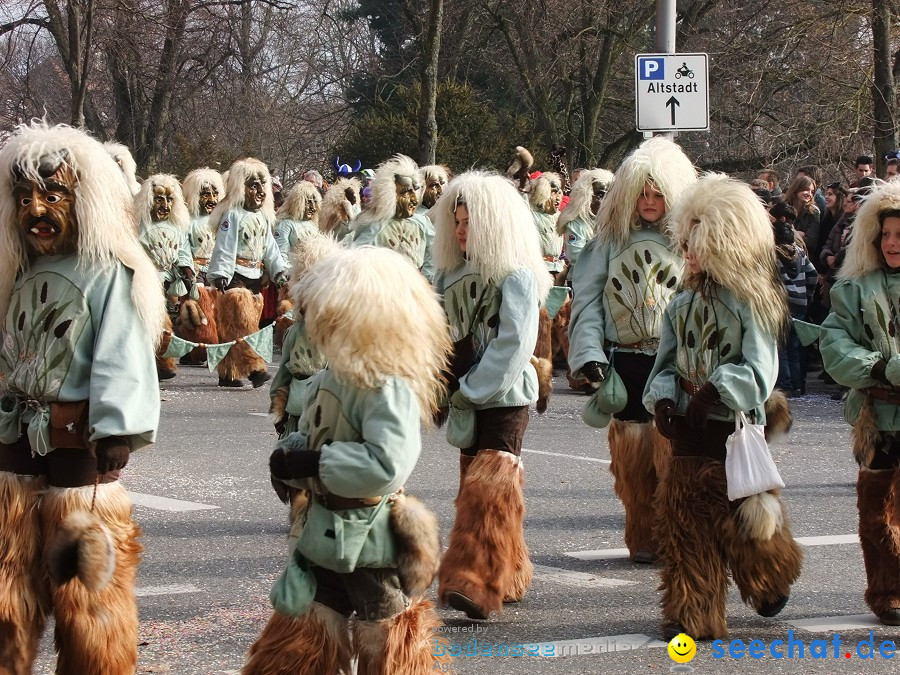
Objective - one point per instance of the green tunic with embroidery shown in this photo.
(201, 239)
(168, 248)
(72, 334)
(620, 295)
(862, 330)
(405, 236)
(712, 337)
(551, 241)
(503, 320)
(246, 235)
(289, 232)
(578, 232)
(299, 362)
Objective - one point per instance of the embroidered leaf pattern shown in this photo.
(460, 300)
(707, 332)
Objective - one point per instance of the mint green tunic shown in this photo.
(861, 331)
(168, 248)
(405, 236)
(428, 227)
(299, 362)
(578, 232)
(246, 235)
(713, 338)
(201, 240)
(289, 232)
(72, 334)
(551, 241)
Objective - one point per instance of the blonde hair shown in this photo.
(104, 211)
(372, 315)
(864, 250)
(581, 196)
(238, 174)
(295, 203)
(127, 166)
(194, 183)
(436, 172)
(658, 161)
(726, 228)
(143, 203)
(502, 237)
(307, 252)
(336, 208)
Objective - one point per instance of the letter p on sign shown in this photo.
(652, 69)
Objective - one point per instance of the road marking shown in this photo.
(560, 454)
(166, 504)
(830, 624)
(259, 414)
(171, 589)
(617, 553)
(594, 645)
(580, 579)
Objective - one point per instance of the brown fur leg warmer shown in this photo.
(406, 644)
(197, 322)
(543, 360)
(317, 643)
(694, 575)
(237, 313)
(560, 332)
(23, 599)
(633, 451)
(763, 568)
(881, 554)
(778, 415)
(96, 632)
(480, 562)
(865, 434)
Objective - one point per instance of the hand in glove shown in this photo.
(878, 372)
(350, 195)
(662, 414)
(593, 371)
(698, 409)
(112, 454)
(457, 400)
(289, 464)
(220, 283)
(187, 273)
(280, 279)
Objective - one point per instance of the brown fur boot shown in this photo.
(879, 539)
(479, 567)
(23, 597)
(317, 643)
(694, 576)
(197, 323)
(634, 449)
(283, 322)
(543, 360)
(84, 644)
(402, 645)
(465, 461)
(237, 313)
(165, 366)
(560, 331)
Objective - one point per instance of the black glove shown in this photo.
(350, 195)
(878, 372)
(112, 454)
(187, 273)
(593, 371)
(286, 465)
(698, 409)
(220, 283)
(662, 414)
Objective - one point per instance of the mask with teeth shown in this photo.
(45, 208)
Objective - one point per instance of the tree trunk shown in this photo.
(883, 94)
(428, 130)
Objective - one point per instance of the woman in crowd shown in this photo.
(800, 195)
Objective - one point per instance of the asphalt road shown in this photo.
(214, 541)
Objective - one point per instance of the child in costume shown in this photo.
(860, 345)
(493, 280)
(624, 279)
(378, 325)
(577, 221)
(82, 307)
(717, 357)
(298, 217)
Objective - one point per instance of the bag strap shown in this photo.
(740, 420)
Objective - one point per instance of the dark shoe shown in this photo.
(890, 617)
(165, 374)
(773, 608)
(461, 603)
(187, 360)
(838, 395)
(259, 378)
(796, 393)
(645, 557)
(230, 383)
(671, 631)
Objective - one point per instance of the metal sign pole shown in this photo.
(665, 38)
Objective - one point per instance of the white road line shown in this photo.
(617, 553)
(579, 579)
(590, 646)
(171, 589)
(830, 624)
(166, 504)
(560, 454)
(259, 414)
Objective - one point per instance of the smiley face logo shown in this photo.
(682, 648)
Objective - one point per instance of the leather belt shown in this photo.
(688, 387)
(246, 262)
(883, 394)
(201, 261)
(552, 258)
(336, 503)
(647, 343)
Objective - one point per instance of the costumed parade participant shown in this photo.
(544, 197)
(436, 177)
(389, 221)
(577, 221)
(80, 301)
(122, 156)
(203, 188)
(624, 279)
(492, 278)
(340, 205)
(298, 218)
(245, 249)
(378, 325)
(163, 226)
(860, 345)
(718, 358)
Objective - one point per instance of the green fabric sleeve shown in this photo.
(586, 329)
(221, 263)
(840, 339)
(273, 259)
(185, 257)
(283, 376)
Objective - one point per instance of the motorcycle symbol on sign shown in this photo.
(684, 71)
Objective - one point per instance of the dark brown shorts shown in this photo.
(706, 442)
(64, 467)
(499, 429)
(374, 594)
(252, 285)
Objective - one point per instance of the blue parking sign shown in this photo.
(651, 69)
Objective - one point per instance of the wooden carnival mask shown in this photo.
(209, 197)
(254, 192)
(45, 207)
(407, 200)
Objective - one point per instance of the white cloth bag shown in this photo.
(749, 468)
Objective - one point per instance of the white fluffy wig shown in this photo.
(238, 174)
(122, 156)
(581, 196)
(336, 208)
(143, 203)
(384, 190)
(502, 237)
(539, 192)
(727, 229)
(104, 209)
(372, 315)
(306, 253)
(194, 182)
(295, 204)
(436, 172)
(864, 250)
(658, 161)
